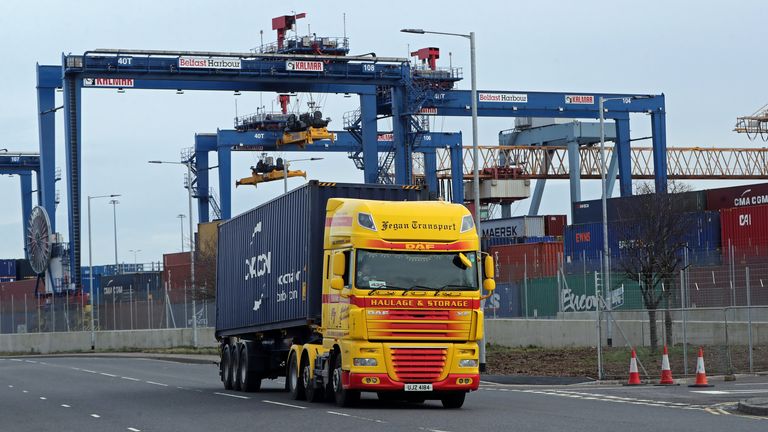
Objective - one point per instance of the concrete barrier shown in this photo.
(558, 333)
(46, 343)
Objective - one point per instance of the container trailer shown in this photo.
(347, 288)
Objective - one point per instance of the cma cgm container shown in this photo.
(737, 196)
(514, 262)
(352, 288)
(585, 241)
(746, 228)
(625, 208)
(130, 286)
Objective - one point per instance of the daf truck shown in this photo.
(350, 288)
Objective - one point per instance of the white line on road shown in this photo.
(42, 397)
(130, 379)
(432, 430)
(368, 419)
(107, 374)
(726, 392)
(156, 383)
(16, 360)
(284, 404)
(30, 361)
(95, 416)
(134, 430)
(65, 406)
(746, 384)
(231, 395)
(24, 391)
(89, 371)
(10, 386)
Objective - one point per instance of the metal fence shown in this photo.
(29, 314)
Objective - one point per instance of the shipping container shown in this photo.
(625, 208)
(130, 286)
(554, 225)
(746, 229)
(737, 196)
(518, 226)
(281, 239)
(24, 270)
(585, 241)
(504, 302)
(177, 275)
(8, 268)
(514, 262)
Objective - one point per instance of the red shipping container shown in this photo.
(515, 261)
(745, 228)
(737, 196)
(176, 274)
(554, 225)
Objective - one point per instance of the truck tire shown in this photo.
(226, 367)
(236, 366)
(311, 390)
(453, 400)
(249, 381)
(343, 397)
(293, 379)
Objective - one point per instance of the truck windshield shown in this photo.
(415, 271)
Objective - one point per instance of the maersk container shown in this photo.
(737, 196)
(518, 226)
(269, 266)
(626, 208)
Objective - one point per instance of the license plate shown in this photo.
(418, 387)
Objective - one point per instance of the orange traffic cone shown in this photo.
(701, 374)
(634, 375)
(666, 372)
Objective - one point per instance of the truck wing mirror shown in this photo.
(339, 264)
(489, 267)
(337, 283)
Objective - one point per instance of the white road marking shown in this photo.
(727, 392)
(66, 406)
(107, 374)
(89, 371)
(24, 391)
(130, 379)
(180, 388)
(134, 430)
(284, 404)
(30, 361)
(42, 397)
(432, 430)
(95, 416)
(16, 360)
(77, 369)
(156, 383)
(746, 384)
(10, 386)
(368, 419)
(231, 395)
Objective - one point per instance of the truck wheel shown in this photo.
(249, 382)
(237, 368)
(453, 400)
(343, 397)
(226, 367)
(312, 391)
(293, 380)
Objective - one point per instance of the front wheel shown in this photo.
(453, 400)
(343, 397)
(293, 380)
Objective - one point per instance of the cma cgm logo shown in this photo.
(584, 237)
(745, 220)
(258, 265)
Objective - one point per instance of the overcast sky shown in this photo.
(705, 56)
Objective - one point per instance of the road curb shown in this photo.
(754, 406)
(177, 358)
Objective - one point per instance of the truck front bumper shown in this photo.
(374, 382)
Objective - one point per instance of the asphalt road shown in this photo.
(134, 394)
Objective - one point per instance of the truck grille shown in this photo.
(418, 324)
(414, 365)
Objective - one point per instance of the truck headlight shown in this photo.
(365, 362)
(466, 363)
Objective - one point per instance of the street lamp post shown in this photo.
(188, 164)
(90, 267)
(287, 164)
(114, 203)
(475, 157)
(135, 258)
(181, 224)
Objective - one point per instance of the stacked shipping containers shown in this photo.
(7, 270)
(522, 229)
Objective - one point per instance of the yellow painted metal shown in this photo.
(257, 178)
(305, 137)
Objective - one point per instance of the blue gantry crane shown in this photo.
(385, 86)
(22, 165)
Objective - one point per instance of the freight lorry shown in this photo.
(350, 288)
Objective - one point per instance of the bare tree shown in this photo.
(205, 271)
(651, 246)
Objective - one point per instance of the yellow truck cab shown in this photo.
(401, 309)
